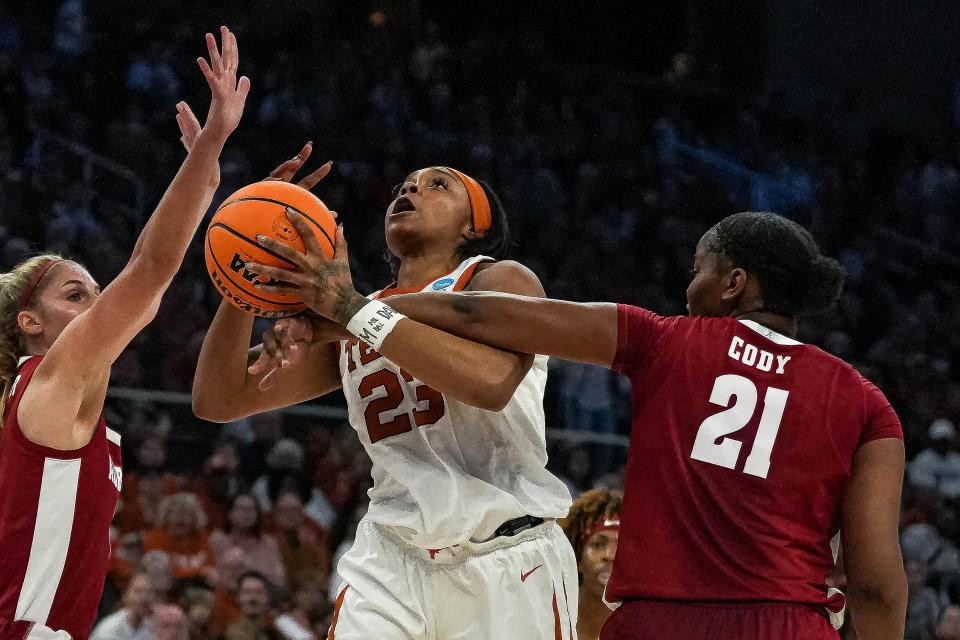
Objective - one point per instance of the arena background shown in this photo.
(615, 132)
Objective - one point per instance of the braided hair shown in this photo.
(795, 277)
(589, 510)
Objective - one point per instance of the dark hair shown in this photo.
(795, 277)
(286, 480)
(228, 526)
(256, 575)
(590, 509)
(494, 243)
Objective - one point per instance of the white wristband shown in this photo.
(374, 322)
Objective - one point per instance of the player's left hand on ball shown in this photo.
(286, 343)
(287, 170)
(324, 284)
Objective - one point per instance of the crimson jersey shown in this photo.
(55, 513)
(740, 453)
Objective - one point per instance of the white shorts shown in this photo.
(510, 587)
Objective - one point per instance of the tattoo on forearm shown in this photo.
(334, 278)
(348, 302)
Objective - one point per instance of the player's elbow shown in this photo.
(887, 593)
(494, 391)
(207, 408)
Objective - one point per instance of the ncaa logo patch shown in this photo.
(442, 284)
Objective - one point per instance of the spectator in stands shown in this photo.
(244, 530)
(253, 597)
(138, 506)
(169, 623)
(197, 603)
(588, 393)
(132, 622)
(938, 466)
(181, 532)
(285, 470)
(145, 486)
(219, 482)
(125, 553)
(303, 544)
(156, 564)
(923, 608)
(225, 609)
(924, 543)
(258, 434)
(949, 626)
(310, 607)
(593, 527)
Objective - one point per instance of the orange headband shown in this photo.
(479, 205)
(34, 281)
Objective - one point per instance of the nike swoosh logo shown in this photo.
(524, 576)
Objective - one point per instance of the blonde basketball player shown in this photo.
(460, 540)
(60, 468)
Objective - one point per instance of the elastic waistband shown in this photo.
(515, 531)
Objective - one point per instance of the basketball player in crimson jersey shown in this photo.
(460, 539)
(750, 451)
(60, 468)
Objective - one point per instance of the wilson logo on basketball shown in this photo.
(237, 266)
(241, 304)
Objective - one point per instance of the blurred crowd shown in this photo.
(235, 531)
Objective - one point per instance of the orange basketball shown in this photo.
(260, 209)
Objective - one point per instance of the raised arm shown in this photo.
(876, 585)
(81, 356)
(225, 386)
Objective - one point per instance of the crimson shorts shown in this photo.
(654, 620)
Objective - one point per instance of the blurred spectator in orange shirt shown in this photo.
(243, 530)
(181, 532)
(218, 482)
(225, 609)
(303, 545)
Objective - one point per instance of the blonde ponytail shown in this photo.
(13, 284)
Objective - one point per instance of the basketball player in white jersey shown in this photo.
(60, 466)
(460, 539)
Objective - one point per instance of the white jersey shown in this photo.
(445, 472)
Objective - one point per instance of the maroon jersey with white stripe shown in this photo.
(55, 513)
(740, 454)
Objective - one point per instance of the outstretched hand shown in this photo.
(323, 283)
(228, 95)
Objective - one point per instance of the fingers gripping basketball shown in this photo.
(260, 209)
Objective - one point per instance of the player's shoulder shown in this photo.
(506, 276)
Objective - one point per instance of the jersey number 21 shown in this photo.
(711, 446)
